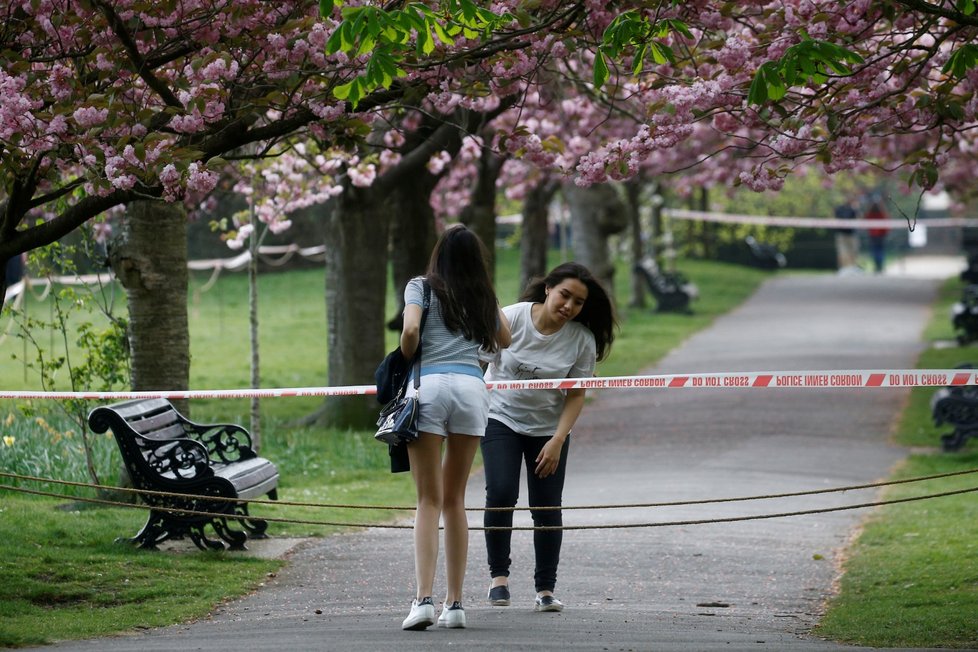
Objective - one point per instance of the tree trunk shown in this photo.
(708, 232)
(535, 240)
(412, 234)
(633, 191)
(480, 214)
(253, 243)
(356, 287)
(149, 257)
(596, 213)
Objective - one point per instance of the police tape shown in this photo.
(841, 379)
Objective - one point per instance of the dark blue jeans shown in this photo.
(504, 452)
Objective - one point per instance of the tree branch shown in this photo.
(139, 64)
(936, 10)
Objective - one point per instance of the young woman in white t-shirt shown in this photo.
(463, 318)
(564, 323)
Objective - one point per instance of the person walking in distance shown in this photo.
(846, 240)
(463, 318)
(562, 325)
(877, 236)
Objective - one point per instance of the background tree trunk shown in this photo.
(633, 192)
(480, 214)
(412, 234)
(596, 213)
(253, 331)
(535, 240)
(356, 288)
(149, 257)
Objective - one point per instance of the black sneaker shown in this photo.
(548, 603)
(499, 596)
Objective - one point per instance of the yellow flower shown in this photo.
(9, 420)
(8, 440)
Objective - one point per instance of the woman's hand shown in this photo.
(549, 457)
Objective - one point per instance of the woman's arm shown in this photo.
(410, 332)
(503, 333)
(549, 457)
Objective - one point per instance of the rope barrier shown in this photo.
(677, 503)
(805, 379)
(816, 222)
(142, 492)
(16, 305)
(710, 521)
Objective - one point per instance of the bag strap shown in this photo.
(424, 317)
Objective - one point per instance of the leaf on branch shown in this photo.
(633, 31)
(961, 61)
(808, 61)
(600, 69)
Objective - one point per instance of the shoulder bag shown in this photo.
(398, 421)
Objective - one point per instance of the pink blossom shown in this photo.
(363, 175)
(279, 226)
(734, 54)
(58, 126)
(88, 116)
(394, 138)
(760, 180)
(438, 161)
(389, 158)
(200, 180)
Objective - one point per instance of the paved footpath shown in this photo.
(751, 585)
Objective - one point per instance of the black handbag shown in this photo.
(398, 421)
(392, 373)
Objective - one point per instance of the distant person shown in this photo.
(563, 325)
(463, 318)
(846, 240)
(877, 236)
(14, 270)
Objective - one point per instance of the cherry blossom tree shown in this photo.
(106, 104)
(103, 105)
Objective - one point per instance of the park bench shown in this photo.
(964, 315)
(163, 451)
(672, 290)
(765, 256)
(956, 406)
(970, 273)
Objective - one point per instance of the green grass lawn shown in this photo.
(61, 575)
(911, 578)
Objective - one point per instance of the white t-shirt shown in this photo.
(568, 353)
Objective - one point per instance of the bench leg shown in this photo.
(235, 538)
(154, 531)
(953, 441)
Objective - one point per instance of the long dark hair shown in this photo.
(597, 313)
(459, 277)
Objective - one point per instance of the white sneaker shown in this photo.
(452, 617)
(422, 615)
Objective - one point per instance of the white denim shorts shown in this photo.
(453, 403)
